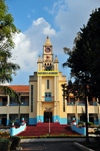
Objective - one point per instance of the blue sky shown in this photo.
(60, 19)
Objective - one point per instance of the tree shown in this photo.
(7, 32)
(84, 58)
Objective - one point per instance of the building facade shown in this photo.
(44, 99)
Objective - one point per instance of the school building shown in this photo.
(43, 97)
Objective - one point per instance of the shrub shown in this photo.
(81, 122)
(80, 125)
(5, 144)
(98, 126)
(90, 123)
(0, 133)
(5, 133)
(15, 141)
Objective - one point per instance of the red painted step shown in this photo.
(43, 128)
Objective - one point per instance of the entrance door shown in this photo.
(46, 117)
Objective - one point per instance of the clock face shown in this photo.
(47, 49)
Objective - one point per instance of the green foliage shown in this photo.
(84, 58)
(84, 61)
(7, 32)
(91, 123)
(5, 144)
(81, 122)
(15, 141)
(53, 136)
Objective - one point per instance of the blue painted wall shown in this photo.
(98, 121)
(0, 122)
(7, 122)
(81, 130)
(32, 121)
(95, 121)
(63, 120)
(39, 117)
(56, 117)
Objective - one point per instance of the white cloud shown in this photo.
(56, 6)
(24, 56)
(28, 45)
(4, 84)
(70, 17)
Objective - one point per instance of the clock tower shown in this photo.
(48, 56)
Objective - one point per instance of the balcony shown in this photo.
(92, 103)
(25, 104)
(71, 103)
(81, 103)
(48, 99)
(13, 104)
(3, 104)
(22, 104)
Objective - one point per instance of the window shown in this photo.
(72, 99)
(31, 98)
(82, 117)
(22, 100)
(82, 99)
(47, 84)
(89, 98)
(47, 94)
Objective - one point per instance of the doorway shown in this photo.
(4, 121)
(46, 117)
(91, 119)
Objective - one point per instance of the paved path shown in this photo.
(49, 146)
(55, 140)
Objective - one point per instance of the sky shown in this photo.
(59, 19)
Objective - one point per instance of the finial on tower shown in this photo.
(47, 43)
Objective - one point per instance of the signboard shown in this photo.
(47, 73)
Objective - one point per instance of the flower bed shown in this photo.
(4, 134)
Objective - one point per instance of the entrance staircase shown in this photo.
(43, 128)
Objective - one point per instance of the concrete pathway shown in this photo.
(55, 140)
(49, 146)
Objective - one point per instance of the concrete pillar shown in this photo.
(98, 111)
(8, 100)
(0, 120)
(87, 109)
(76, 114)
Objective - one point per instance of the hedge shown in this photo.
(15, 141)
(5, 144)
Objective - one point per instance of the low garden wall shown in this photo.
(14, 131)
(80, 130)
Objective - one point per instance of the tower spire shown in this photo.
(47, 42)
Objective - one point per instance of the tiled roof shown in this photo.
(20, 88)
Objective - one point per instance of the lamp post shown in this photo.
(49, 114)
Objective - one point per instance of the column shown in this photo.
(76, 114)
(87, 109)
(8, 100)
(98, 111)
(0, 120)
